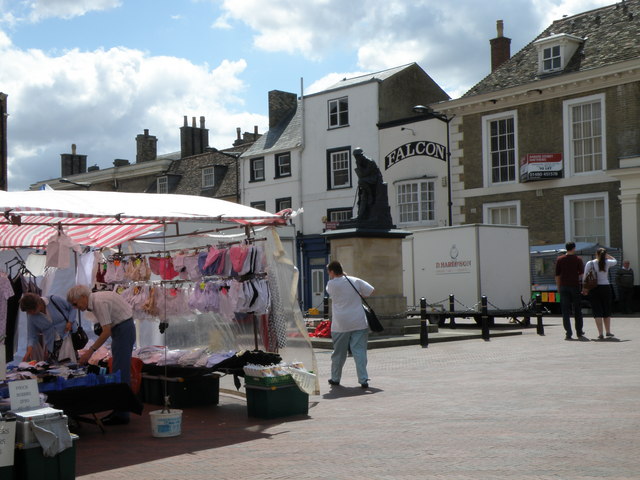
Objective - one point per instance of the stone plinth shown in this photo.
(374, 256)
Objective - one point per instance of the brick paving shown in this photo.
(515, 407)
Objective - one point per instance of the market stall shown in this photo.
(207, 279)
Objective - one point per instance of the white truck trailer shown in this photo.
(468, 261)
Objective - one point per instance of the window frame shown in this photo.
(208, 171)
(488, 207)
(553, 58)
(487, 160)
(278, 165)
(160, 182)
(567, 123)
(336, 120)
(569, 201)
(434, 211)
(280, 201)
(252, 170)
(259, 205)
(347, 210)
(331, 172)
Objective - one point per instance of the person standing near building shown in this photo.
(624, 281)
(569, 270)
(115, 317)
(601, 297)
(349, 327)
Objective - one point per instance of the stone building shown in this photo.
(550, 138)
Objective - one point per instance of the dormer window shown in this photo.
(552, 60)
(555, 52)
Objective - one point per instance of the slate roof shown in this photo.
(611, 35)
(286, 135)
(370, 77)
(185, 175)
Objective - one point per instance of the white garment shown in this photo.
(348, 314)
(58, 249)
(36, 264)
(603, 277)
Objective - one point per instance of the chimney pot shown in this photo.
(146, 132)
(193, 122)
(238, 133)
(73, 149)
(185, 121)
(500, 28)
(201, 122)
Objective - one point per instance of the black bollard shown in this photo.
(539, 325)
(424, 329)
(485, 319)
(452, 308)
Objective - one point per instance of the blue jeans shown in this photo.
(357, 342)
(123, 338)
(570, 299)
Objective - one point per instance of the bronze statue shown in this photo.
(373, 202)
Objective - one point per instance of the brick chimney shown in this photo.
(281, 105)
(500, 47)
(72, 163)
(146, 147)
(193, 140)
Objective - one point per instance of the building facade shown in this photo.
(550, 138)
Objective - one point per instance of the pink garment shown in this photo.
(191, 267)
(238, 254)
(163, 266)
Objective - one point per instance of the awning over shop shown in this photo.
(105, 219)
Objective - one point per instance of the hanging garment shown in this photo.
(59, 247)
(115, 271)
(36, 263)
(13, 313)
(163, 266)
(137, 270)
(6, 292)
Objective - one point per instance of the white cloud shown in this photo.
(42, 9)
(98, 98)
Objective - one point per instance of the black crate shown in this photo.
(183, 391)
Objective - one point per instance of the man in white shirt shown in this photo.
(115, 317)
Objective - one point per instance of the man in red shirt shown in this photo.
(569, 270)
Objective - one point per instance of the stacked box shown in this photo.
(183, 391)
(276, 401)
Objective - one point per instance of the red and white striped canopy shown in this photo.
(106, 219)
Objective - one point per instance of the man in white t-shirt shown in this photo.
(349, 328)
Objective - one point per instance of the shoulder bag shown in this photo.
(79, 337)
(372, 318)
(590, 279)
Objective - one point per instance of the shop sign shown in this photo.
(422, 147)
(540, 166)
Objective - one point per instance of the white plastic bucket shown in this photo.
(166, 424)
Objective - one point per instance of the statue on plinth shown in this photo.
(372, 197)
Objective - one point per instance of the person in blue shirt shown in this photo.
(47, 321)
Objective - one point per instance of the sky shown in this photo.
(96, 73)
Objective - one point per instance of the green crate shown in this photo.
(274, 402)
(277, 381)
